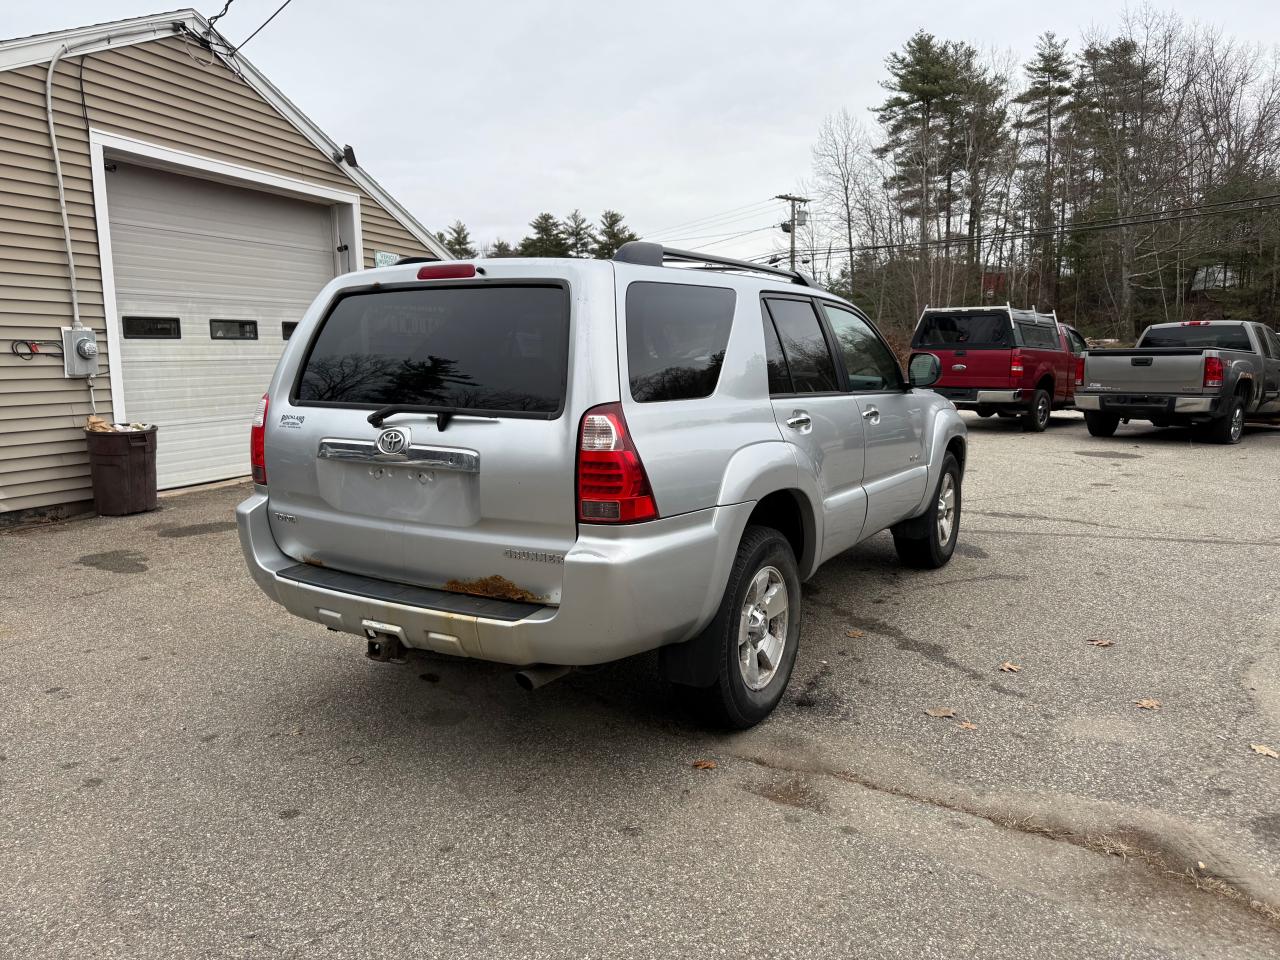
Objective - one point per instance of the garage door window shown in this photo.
(151, 328)
(233, 329)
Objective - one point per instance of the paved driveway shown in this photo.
(187, 771)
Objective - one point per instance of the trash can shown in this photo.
(122, 464)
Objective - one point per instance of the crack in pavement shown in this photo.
(1211, 541)
(1176, 854)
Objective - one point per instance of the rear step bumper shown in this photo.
(1146, 403)
(626, 590)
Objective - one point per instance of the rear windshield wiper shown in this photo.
(443, 414)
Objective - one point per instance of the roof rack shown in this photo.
(648, 254)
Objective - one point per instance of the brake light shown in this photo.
(1195, 323)
(447, 271)
(612, 485)
(1079, 371)
(258, 443)
(1212, 372)
(1015, 363)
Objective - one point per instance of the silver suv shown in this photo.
(554, 463)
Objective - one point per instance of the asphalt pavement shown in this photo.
(186, 770)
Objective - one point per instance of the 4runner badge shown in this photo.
(393, 441)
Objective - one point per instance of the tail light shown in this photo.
(1212, 372)
(1015, 363)
(612, 485)
(258, 443)
(1079, 371)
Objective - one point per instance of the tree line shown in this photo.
(1128, 178)
(574, 236)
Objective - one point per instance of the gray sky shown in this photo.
(670, 112)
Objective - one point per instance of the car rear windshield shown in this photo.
(965, 331)
(501, 348)
(1223, 336)
(676, 338)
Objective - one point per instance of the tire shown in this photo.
(746, 635)
(985, 412)
(1101, 424)
(1228, 428)
(928, 541)
(1036, 419)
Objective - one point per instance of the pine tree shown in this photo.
(458, 241)
(547, 240)
(500, 248)
(1046, 99)
(579, 235)
(612, 234)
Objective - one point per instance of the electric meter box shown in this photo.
(79, 352)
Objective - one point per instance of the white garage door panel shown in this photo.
(198, 250)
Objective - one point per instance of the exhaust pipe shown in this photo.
(539, 675)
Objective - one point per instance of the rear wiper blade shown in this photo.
(443, 414)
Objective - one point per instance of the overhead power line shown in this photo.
(263, 24)
(701, 222)
(1217, 208)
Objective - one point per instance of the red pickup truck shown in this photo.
(998, 360)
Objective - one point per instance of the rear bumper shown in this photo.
(1141, 406)
(626, 590)
(967, 397)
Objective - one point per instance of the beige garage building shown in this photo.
(203, 213)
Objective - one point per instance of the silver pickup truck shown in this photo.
(1211, 375)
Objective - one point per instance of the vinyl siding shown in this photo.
(164, 92)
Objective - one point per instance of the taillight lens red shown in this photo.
(258, 443)
(447, 271)
(1212, 372)
(1015, 363)
(1079, 371)
(612, 485)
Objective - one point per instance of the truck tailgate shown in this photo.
(1169, 371)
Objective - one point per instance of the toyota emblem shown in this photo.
(393, 441)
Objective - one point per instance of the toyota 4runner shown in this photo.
(555, 463)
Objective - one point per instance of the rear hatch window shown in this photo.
(1227, 336)
(965, 331)
(494, 347)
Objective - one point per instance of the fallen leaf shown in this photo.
(940, 712)
(1264, 750)
(1104, 642)
(854, 634)
(1148, 703)
(1200, 865)
(704, 764)
(967, 725)
(1008, 667)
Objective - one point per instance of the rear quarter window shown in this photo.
(1038, 337)
(493, 347)
(676, 339)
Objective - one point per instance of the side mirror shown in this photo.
(924, 370)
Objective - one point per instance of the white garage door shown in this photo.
(207, 278)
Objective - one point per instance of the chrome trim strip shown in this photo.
(415, 455)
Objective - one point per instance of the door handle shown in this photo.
(871, 415)
(799, 420)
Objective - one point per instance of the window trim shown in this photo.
(904, 385)
(288, 323)
(836, 363)
(486, 412)
(213, 320)
(124, 319)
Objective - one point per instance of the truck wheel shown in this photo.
(1036, 419)
(984, 412)
(1101, 424)
(757, 631)
(1228, 428)
(928, 541)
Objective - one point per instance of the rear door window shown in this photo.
(494, 347)
(805, 346)
(965, 331)
(676, 338)
(868, 363)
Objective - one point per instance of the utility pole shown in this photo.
(790, 225)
